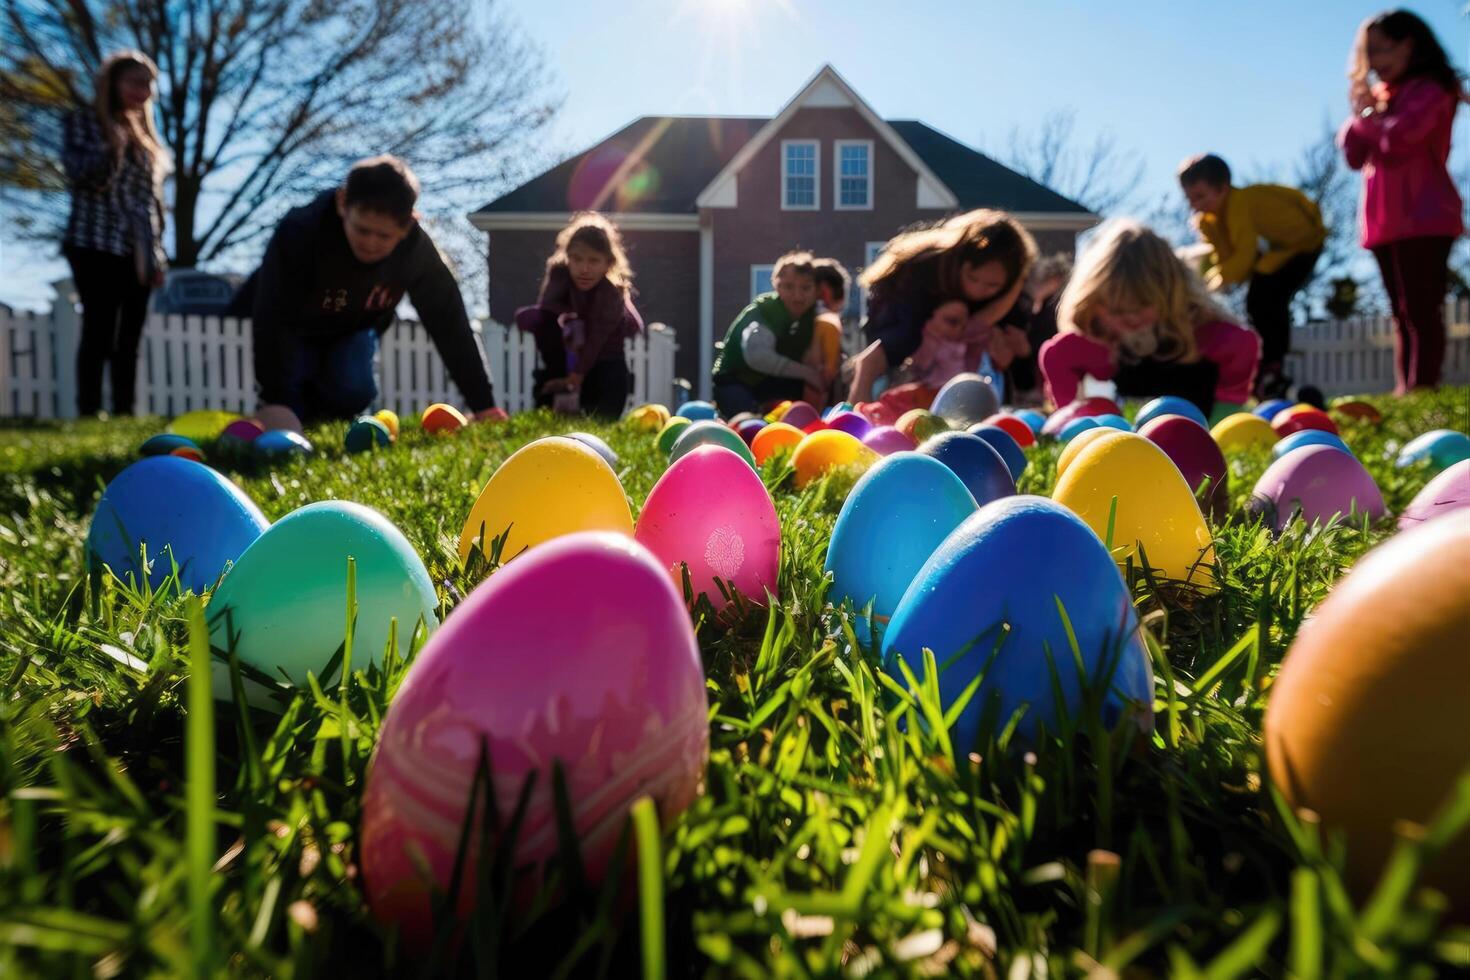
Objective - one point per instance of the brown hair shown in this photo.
(1428, 60)
(801, 262)
(831, 273)
(972, 238)
(108, 107)
(1205, 167)
(591, 230)
(384, 184)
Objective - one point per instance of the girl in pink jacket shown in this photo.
(1134, 314)
(1404, 95)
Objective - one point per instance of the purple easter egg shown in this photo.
(749, 428)
(801, 415)
(1447, 492)
(850, 422)
(885, 440)
(1317, 482)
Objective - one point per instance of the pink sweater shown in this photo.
(1403, 153)
(1066, 358)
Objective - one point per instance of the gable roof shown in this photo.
(979, 181)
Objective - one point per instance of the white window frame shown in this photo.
(871, 251)
(837, 204)
(816, 204)
(755, 272)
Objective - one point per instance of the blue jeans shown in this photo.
(337, 376)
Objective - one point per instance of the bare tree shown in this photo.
(1099, 175)
(262, 102)
(1323, 176)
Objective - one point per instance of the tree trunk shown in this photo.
(186, 204)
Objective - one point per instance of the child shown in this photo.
(1133, 313)
(982, 256)
(1035, 317)
(1232, 220)
(764, 357)
(942, 353)
(584, 314)
(1399, 137)
(825, 353)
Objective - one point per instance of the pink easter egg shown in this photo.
(580, 652)
(850, 422)
(1448, 491)
(885, 440)
(245, 430)
(1317, 483)
(716, 518)
(1081, 408)
(1198, 457)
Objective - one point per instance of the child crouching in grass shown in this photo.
(1133, 313)
(582, 317)
(764, 359)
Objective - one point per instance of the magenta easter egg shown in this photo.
(885, 440)
(1317, 483)
(711, 512)
(1198, 457)
(614, 693)
(1447, 492)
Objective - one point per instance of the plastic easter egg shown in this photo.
(749, 428)
(1449, 491)
(832, 411)
(390, 419)
(596, 445)
(1112, 421)
(818, 425)
(739, 419)
(238, 438)
(1300, 417)
(987, 602)
(1079, 442)
(1078, 426)
(546, 489)
(165, 443)
(1002, 442)
(1366, 720)
(897, 514)
(1308, 437)
(711, 433)
(1032, 418)
(711, 512)
(1082, 408)
(1316, 483)
(774, 415)
(189, 453)
(920, 423)
(283, 605)
(649, 418)
(697, 411)
(778, 437)
(965, 399)
(885, 440)
(877, 412)
(1267, 410)
(615, 694)
(201, 424)
(1441, 447)
(1200, 461)
(670, 433)
(1013, 427)
(440, 419)
(282, 443)
(974, 461)
(850, 422)
(1156, 514)
(827, 452)
(1242, 431)
(1361, 411)
(800, 415)
(1169, 405)
(179, 513)
(365, 434)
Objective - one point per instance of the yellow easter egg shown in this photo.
(1080, 441)
(548, 488)
(1156, 511)
(649, 417)
(1241, 431)
(389, 418)
(827, 451)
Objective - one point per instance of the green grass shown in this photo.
(146, 830)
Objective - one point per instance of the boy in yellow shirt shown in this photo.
(1235, 221)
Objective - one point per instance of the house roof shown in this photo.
(976, 179)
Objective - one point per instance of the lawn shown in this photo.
(831, 839)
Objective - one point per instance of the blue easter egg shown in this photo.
(896, 515)
(697, 411)
(1169, 405)
(282, 442)
(1268, 410)
(1442, 447)
(180, 513)
(596, 445)
(1031, 417)
(1004, 443)
(837, 409)
(976, 462)
(1076, 427)
(1111, 421)
(987, 602)
(165, 443)
(1308, 437)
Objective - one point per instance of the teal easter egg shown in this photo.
(365, 434)
(710, 433)
(282, 443)
(987, 604)
(898, 512)
(1442, 447)
(697, 411)
(167, 444)
(283, 605)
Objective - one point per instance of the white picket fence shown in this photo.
(189, 362)
(1355, 356)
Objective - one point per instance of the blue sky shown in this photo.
(1250, 79)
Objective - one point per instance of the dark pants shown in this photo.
(337, 376)
(732, 397)
(1415, 274)
(605, 385)
(1268, 304)
(114, 309)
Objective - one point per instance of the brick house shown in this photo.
(706, 203)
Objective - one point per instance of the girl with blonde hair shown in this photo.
(1133, 313)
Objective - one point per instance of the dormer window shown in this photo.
(853, 175)
(800, 161)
